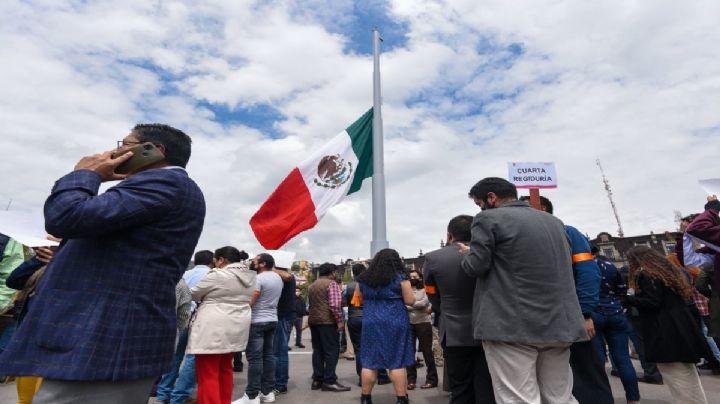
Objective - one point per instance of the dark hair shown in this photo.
(459, 227)
(229, 253)
(267, 259)
(499, 186)
(417, 272)
(690, 218)
(176, 142)
(383, 269)
(544, 202)
(203, 257)
(357, 269)
(326, 269)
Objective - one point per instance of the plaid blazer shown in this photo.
(105, 308)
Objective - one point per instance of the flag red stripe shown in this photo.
(288, 211)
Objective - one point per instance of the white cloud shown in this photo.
(476, 84)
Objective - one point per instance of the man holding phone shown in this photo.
(102, 324)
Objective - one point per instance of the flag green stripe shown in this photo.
(361, 136)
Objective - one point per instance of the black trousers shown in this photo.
(326, 350)
(423, 332)
(650, 370)
(354, 330)
(298, 323)
(468, 374)
(590, 382)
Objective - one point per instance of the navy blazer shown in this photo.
(105, 307)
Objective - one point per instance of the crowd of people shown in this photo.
(526, 310)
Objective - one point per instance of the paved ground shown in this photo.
(301, 368)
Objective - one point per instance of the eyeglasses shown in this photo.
(122, 143)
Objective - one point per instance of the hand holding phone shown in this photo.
(104, 165)
(143, 155)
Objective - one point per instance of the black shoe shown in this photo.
(280, 390)
(300, 345)
(650, 380)
(402, 400)
(316, 385)
(365, 399)
(380, 382)
(337, 387)
(237, 369)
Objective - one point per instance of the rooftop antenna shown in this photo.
(610, 197)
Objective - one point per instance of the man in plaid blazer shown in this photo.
(101, 326)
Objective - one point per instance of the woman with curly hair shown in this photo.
(663, 296)
(386, 338)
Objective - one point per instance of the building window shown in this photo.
(608, 252)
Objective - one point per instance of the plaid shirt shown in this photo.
(334, 300)
(701, 302)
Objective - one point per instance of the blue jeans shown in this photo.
(711, 342)
(615, 329)
(282, 366)
(186, 382)
(261, 359)
(177, 385)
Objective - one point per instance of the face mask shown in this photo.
(416, 283)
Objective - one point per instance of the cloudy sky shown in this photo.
(468, 85)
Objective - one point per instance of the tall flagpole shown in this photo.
(379, 240)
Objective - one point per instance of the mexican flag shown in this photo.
(317, 184)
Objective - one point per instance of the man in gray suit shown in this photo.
(451, 290)
(525, 309)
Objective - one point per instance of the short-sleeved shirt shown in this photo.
(270, 286)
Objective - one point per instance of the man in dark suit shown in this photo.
(102, 325)
(451, 290)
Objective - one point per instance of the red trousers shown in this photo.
(214, 377)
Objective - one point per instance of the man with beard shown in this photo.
(524, 310)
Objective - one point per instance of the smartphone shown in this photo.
(143, 155)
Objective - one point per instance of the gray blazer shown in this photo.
(525, 291)
(454, 291)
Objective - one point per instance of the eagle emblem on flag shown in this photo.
(333, 172)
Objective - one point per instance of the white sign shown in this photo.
(27, 228)
(532, 175)
(711, 186)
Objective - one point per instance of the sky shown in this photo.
(467, 86)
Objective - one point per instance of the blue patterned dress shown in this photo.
(386, 341)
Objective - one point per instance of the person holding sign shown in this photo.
(524, 309)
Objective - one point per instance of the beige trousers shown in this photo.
(530, 373)
(684, 382)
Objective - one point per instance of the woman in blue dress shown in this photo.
(386, 339)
